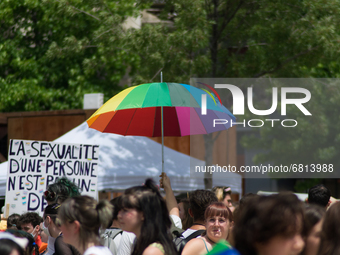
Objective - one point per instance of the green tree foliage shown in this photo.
(54, 51)
(243, 38)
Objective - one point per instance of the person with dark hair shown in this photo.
(12, 245)
(242, 203)
(31, 247)
(199, 201)
(268, 225)
(12, 221)
(80, 219)
(320, 195)
(144, 213)
(187, 220)
(30, 223)
(312, 228)
(329, 244)
(218, 220)
(60, 190)
(9, 247)
(50, 227)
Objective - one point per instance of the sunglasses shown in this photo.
(49, 195)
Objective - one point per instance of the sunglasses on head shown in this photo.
(58, 222)
(49, 195)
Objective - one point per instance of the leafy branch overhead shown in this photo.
(52, 52)
(213, 38)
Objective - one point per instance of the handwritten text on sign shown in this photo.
(33, 165)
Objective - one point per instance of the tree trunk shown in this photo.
(214, 39)
(208, 138)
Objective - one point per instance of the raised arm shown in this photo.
(171, 202)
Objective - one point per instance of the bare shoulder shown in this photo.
(194, 246)
(150, 250)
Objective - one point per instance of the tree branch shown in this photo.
(107, 7)
(279, 66)
(247, 46)
(91, 46)
(80, 10)
(208, 7)
(156, 74)
(101, 35)
(226, 21)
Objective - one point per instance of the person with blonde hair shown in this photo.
(80, 219)
(223, 194)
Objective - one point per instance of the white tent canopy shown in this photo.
(126, 161)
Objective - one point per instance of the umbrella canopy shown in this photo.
(138, 111)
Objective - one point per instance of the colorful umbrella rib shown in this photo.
(137, 111)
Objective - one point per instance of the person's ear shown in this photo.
(76, 226)
(329, 203)
(232, 223)
(190, 213)
(142, 216)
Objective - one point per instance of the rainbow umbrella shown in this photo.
(161, 109)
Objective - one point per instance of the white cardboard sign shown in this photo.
(33, 165)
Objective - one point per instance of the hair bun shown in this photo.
(150, 184)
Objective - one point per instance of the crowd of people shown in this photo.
(143, 222)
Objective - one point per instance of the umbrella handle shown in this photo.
(162, 140)
(162, 132)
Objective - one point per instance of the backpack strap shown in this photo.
(112, 235)
(117, 233)
(195, 234)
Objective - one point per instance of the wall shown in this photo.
(42, 125)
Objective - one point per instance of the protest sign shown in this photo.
(33, 165)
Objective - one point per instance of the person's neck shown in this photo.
(198, 225)
(212, 242)
(88, 245)
(55, 232)
(137, 233)
(115, 224)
